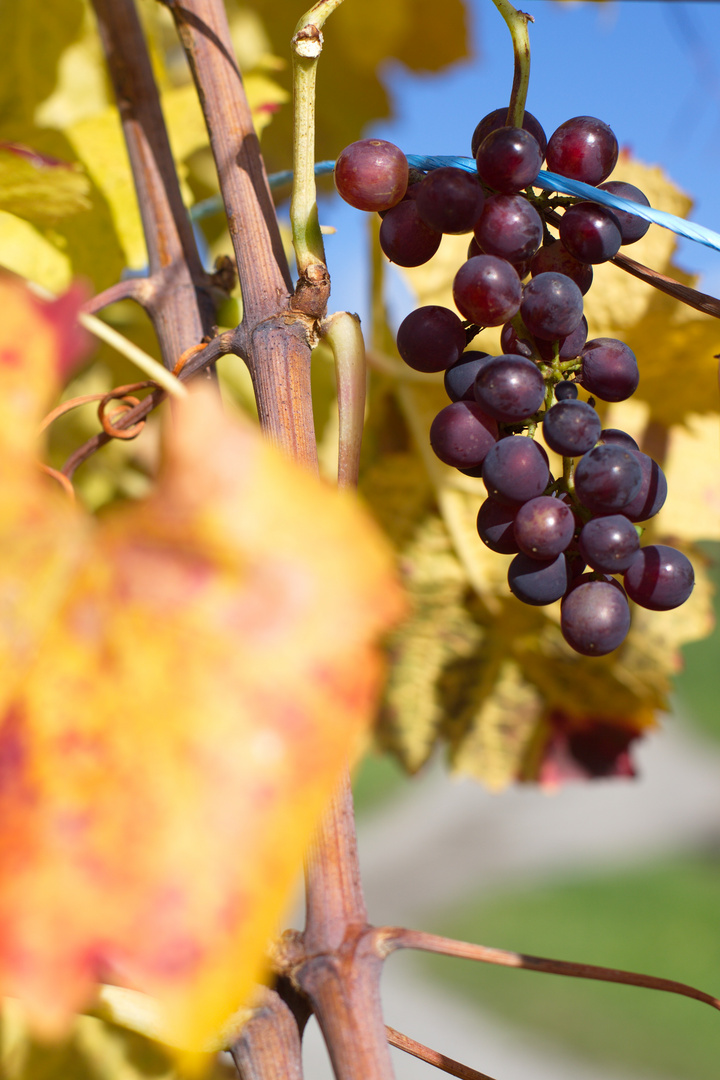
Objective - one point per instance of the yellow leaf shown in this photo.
(37, 190)
(692, 468)
(358, 38)
(188, 692)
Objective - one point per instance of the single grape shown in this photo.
(632, 228)
(495, 527)
(595, 617)
(554, 256)
(431, 338)
(609, 543)
(544, 527)
(462, 434)
(460, 376)
(659, 578)
(404, 236)
(653, 490)
(487, 290)
(474, 249)
(509, 227)
(571, 428)
(552, 306)
(508, 159)
(515, 470)
(538, 581)
(371, 174)
(568, 347)
(616, 437)
(607, 479)
(511, 342)
(609, 369)
(590, 232)
(498, 119)
(510, 388)
(584, 149)
(450, 200)
(566, 391)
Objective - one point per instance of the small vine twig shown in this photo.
(344, 336)
(433, 1057)
(398, 938)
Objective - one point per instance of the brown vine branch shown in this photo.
(392, 938)
(433, 1057)
(176, 294)
(273, 340)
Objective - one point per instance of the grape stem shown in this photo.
(517, 23)
(307, 44)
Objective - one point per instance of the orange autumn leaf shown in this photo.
(201, 669)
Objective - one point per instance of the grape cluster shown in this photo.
(571, 535)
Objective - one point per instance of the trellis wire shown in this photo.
(548, 181)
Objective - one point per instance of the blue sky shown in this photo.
(649, 68)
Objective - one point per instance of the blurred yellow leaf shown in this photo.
(39, 190)
(692, 469)
(182, 683)
(358, 38)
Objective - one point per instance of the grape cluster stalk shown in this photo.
(576, 537)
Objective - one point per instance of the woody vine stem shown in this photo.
(332, 968)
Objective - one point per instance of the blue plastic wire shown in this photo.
(548, 181)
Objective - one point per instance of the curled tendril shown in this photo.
(61, 478)
(66, 406)
(184, 357)
(122, 394)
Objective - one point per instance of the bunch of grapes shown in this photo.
(571, 535)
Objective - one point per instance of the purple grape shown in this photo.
(566, 391)
(460, 376)
(595, 617)
(498, 119)
(551, 306)
(450, 200)
(584, 149)
(659, 578)
(571, 428)
(515, 470)
(495, 527)
(431, 338)
(653, 490)
(404, 236)
(538, 581)
(511, 342)
(508, 159)
(487, 290)
(609, 369)
(510, 388)
(590, 232)
(569, 347)
(544, 527)
(555, 256)
(371, 174)
(632, 228)
(609, 543)
(474, 249)
(616, 437)
(462, 434)
(607, 479)
(509, 227)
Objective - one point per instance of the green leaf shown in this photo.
(38, 190)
